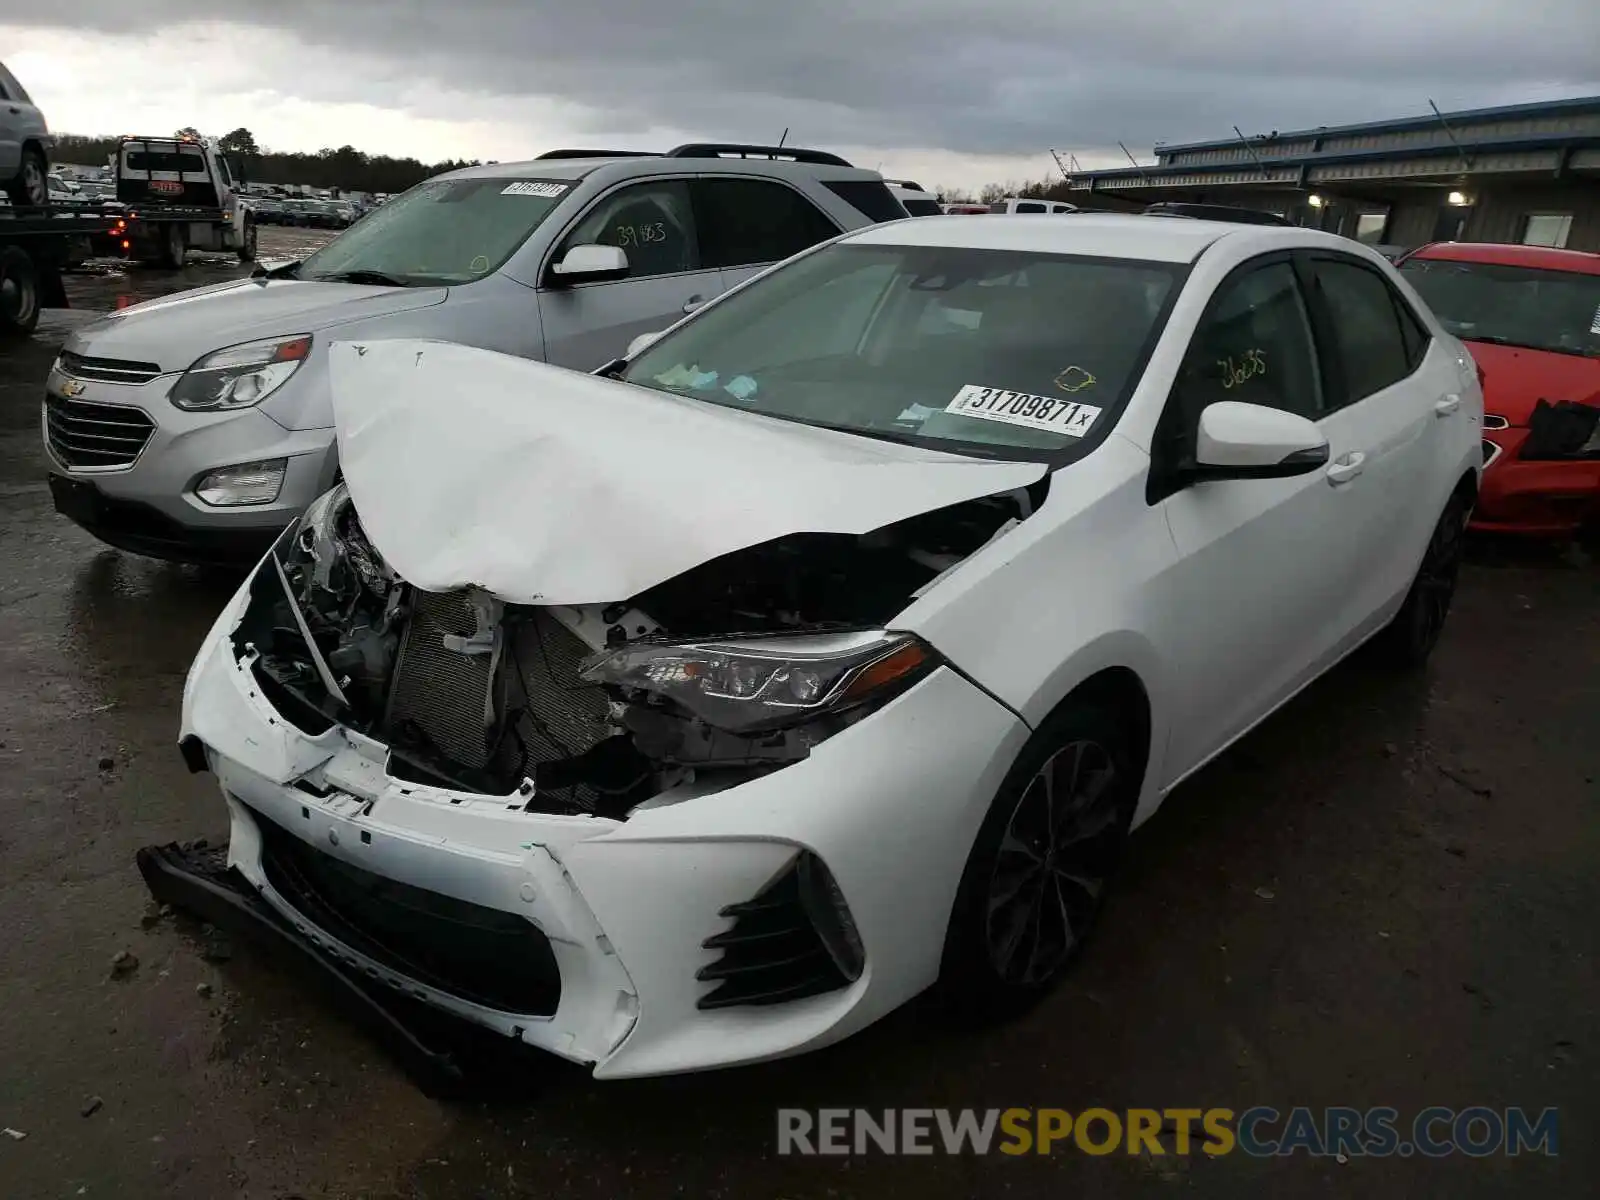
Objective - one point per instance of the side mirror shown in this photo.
(591, 263)
(1251, 441)
(642, 343)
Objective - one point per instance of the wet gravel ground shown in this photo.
(1387, 895)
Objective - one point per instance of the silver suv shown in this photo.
(24, 145)
(195, 427)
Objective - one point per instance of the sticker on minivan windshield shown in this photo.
(1052, 413)
(533, 187)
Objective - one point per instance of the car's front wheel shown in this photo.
(1042, 861)
(1409, 639)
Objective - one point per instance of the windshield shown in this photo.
(440, 232)
(1004, 354)
(1515, 306)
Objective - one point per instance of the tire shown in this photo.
(247, 250)
(19, 293)
(31, 186)
(1408, 640)
(1007, 944)
(174, 245)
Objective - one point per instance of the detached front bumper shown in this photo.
(617, 914)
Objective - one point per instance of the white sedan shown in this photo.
(705, 710)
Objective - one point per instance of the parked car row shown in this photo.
(313, 214)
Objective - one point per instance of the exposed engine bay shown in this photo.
(739, 665)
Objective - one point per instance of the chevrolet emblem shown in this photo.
(71, 389)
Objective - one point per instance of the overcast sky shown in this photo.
(945, 91)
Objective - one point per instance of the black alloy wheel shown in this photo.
(1055, 857)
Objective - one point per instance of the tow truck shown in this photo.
(35, 244)
(178, 194)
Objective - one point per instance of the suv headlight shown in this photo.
(242, 375)
(753, 684)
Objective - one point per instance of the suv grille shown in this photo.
(479, 954)
(106, 370)
(95, 435)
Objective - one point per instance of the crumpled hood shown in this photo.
(173, 331)
(542, 485)
(1515, 379)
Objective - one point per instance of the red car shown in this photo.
(1530, 315)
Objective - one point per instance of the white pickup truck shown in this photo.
(180, 194)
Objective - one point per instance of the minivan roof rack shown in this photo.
(597, 154)
(819, 158)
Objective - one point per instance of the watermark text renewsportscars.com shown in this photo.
(1258, 1132)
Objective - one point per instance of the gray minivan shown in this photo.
(24, 145)
(195, 427)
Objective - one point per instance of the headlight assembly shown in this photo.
(240, 376)
(749, 685)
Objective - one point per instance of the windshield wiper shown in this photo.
(380, 278)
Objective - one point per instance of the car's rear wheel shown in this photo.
(247, 248)
(1409, 639)
(1039, 868)
(19, 293)
(174, 246)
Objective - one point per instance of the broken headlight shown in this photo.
(754, 684)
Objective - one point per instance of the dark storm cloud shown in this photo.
(1005, 76)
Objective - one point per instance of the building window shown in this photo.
(1546, 229)
(1370, 227)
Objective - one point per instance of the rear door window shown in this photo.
(870, 198)
(1028, 206)
(1370, 343)
(747, 222)
(10, 89)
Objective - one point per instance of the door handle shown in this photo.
(692, 303)
(1446, 405)
(1347, 468)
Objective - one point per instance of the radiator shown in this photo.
(442, 694)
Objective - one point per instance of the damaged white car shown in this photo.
(828, 649)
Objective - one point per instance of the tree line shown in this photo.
(345, 168)
(348, 169)
(989, 193)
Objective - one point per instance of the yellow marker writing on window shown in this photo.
(1236, 372)
(1074, 379)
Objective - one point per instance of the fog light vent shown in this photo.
(793, 939)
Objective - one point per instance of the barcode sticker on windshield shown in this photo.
(532, 187)
(1595, 327)
(1053, 413)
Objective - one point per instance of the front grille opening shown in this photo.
(479, 954)
(107, 370)
(462, 720)
(1491, 451)
(786, 943)
(95, 435)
